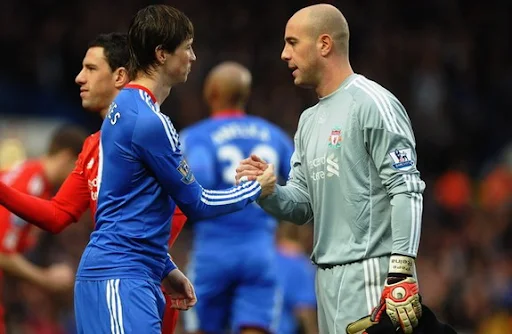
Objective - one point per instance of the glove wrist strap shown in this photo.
(401, 266)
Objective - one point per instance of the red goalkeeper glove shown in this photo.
(400, 297)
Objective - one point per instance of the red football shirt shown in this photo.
(15, 234)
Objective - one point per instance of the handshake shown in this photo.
(256, 169)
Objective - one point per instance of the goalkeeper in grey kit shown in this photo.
(354, 176)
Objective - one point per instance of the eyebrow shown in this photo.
(290, 39)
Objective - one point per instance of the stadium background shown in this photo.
(448, 61)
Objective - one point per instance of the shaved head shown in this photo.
(324, 19)
(228, 84)
(316, 48)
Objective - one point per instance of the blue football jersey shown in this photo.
(214, 148)
(141, 176)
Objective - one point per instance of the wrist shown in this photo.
(169, 266)
(401, 266)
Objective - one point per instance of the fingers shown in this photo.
(250, 168)
(185, 299)
(181, 303)
(248, 172)
(255, 158)
(267, 181)
(191, 295)
(247, 176)
(249, 164)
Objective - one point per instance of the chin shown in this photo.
(184, 78)
(299, 83)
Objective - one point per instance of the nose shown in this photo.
(285, 54)
(80, 78)
(193, 56)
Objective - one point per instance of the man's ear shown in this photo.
(325, 44)
(160, 55)
(121, 77)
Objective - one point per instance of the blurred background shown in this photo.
(448, 61)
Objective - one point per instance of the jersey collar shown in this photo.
(228, 113)
(153, 98)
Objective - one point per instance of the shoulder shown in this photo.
(154, 129)
(199, 127)
(90, 150)
(278, 135)
(266, 123)
(200, 132)
(367, 92)
(91, 142)
(376, 106)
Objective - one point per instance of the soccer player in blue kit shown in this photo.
(233, 262)
(141, 177)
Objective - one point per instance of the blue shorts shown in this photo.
(233, 291)
(118, 306)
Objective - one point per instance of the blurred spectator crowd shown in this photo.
(448, 61)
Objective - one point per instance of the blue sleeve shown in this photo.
(169, 266)
(200, 159)
(286, 156)
(156, 142)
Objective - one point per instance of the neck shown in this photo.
(333, 77)
(155, 84)
(227, 110)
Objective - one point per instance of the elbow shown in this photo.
(60, 225)
(56, 229)
(192, 214)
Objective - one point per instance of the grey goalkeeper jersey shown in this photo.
(354, 175)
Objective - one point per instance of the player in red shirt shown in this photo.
(38, 178)
(102, 76)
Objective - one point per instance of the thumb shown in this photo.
(270, 169)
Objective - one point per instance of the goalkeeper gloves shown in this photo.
(360, 326)
(400, 297)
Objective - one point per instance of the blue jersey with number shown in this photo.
(141, 176)
(214, 148)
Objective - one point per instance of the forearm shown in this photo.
(406, 216)
(16, 265)
(42, 213)
(213, 203)
(307, 317)
(288, 203)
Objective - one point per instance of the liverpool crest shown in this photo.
(335, 137)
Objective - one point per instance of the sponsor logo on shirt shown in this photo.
(326, 166)
(93, 188)
(402, 159)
